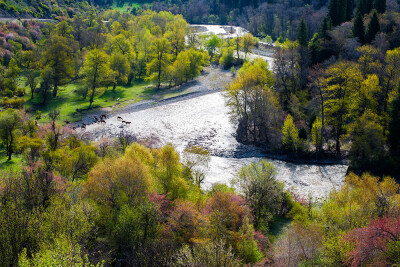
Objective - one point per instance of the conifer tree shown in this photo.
(302, 34)
(358, 27)
(373, 27)
(380, 6)
(349, 10)
(334, 12)
(325, 26)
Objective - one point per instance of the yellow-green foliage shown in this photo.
(290, 133)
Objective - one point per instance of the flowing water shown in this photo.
(204, 120)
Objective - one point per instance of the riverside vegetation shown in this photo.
(331, 91)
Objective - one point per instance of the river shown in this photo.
(204, 120)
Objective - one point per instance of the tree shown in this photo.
(77, 162)
(287, 71)
(31, 80)
(196, 160)
(95, 71)
(215, 253)
(302, 33)
(391, 77)
(373, 27)
(380, 6)
(211, 44)
(316, 135)
(10, 121)
(368, 143)
(157, 67)
(262, 191)
(248, 43)
(358, 27)
(120, 67)
(374, 243)
(59, 57)
(254, 105)
(344, 79)
(394, 132)
(290, 133)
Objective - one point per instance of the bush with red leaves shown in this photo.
(377, 244)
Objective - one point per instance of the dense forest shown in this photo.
(331, 93)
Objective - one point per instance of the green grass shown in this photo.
(277, 226)
(15, 163)
(73, 107)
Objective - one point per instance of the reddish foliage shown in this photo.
(162, 202)
(371, 242)
(263, 242)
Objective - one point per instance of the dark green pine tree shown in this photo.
(349, 10)
(302, 34)
(340, 11)
(358, 27)
(334, 12)
(380, 6)
(325, 26)
(373, 27)
(365, 6)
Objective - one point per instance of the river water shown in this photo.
(204, 120)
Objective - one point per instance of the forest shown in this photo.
(331, 93)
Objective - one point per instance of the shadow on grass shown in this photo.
(6, 164)
(278, 225)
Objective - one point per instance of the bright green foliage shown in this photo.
(120, 68)
(61, 253)
(247, 247)
(316, 134)
(211, 44)
(59, 58)
(341, 85)
(135, 226)
(227, 59)
(76, 162)
(168, 172)
(290, 134)
(95, 70)
(10, 121)
(367, 148)
(263, 192)
(157, 67)
(248, 43)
